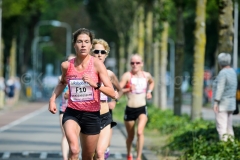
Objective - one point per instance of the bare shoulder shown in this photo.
(110, 73)
(126, 75)
(147, 74)
(65, 65)
(98, 64)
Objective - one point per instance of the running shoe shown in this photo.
(107, 153)
(129, 157)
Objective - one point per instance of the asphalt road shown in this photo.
(31, 133)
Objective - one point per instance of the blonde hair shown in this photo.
(102, 42)
(136, 55)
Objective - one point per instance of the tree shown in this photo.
(179, 56)
(156, 53)
(225, 33)
(149, 36)
(141, 30)
(163, 66)
(19, 19)
(225, 42)
(199, 52)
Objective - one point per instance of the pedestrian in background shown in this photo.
(10, 90)
(224, 96)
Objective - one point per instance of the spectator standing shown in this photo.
(224, 96)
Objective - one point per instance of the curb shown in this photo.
(146, 153)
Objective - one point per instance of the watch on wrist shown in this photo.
(98, 86)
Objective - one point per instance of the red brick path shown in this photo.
(22, 108)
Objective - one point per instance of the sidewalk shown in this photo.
(9, 114)
(208, 114)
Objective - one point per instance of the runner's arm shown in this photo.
(150, 86)
(123, 83)
(61, 84)
(116, 84)
(107, 89)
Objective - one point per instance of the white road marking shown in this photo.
(118, 155)
(25, 153)
(43, 155)
(6, 155)
(18, 121)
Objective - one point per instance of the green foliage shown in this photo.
(196, 140)
(13, 8)
(159, 119)
(203, 149)
(118, 112)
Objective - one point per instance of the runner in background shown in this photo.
(62, 108)
(101, 50)
(138, 86)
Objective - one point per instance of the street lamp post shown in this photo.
(35, 62)
(41, 46)
(56, 23)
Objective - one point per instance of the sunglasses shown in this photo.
(99, 51)
(132, 63)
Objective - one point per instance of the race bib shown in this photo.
(80, 90)
(140, 85)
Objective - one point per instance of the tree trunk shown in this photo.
(156, 92)
(179, 56)
(226, 30)
(149, 30)
(199, 52)
(1, 59)
(163, 66)
(12, 62)
(122, 62)
(141, 31)
(132, 45)
(225, 43)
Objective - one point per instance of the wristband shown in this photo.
(149, 91)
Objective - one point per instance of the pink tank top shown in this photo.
(82, 96)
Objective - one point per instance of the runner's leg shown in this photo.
(64, 143)
(89, 145)
(103, 142)
(72, 130)
(130, 135)
(142, 120)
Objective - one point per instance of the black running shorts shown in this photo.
(106, 119)
(88, 121)
(131, 114)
